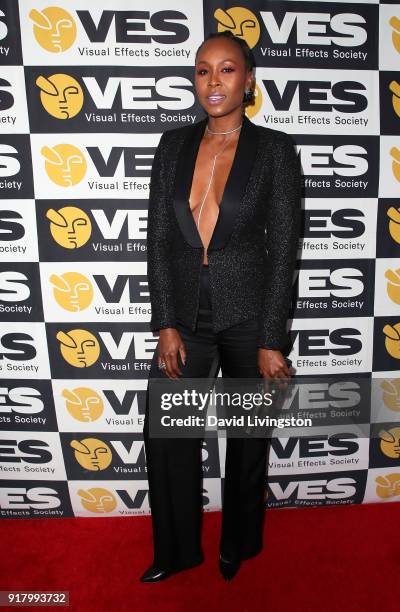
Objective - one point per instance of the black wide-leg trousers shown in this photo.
(174, 465)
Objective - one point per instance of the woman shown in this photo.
(223, 227)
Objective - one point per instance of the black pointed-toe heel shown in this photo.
(228, 569)
(153, 574)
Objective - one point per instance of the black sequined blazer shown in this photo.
(253, 250)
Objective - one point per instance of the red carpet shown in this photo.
(328, 559)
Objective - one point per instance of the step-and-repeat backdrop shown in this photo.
(86, 89)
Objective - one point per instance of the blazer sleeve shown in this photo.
(283, 219)
(158, 244)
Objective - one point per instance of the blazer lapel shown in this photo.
(235, 186)
(183, 182)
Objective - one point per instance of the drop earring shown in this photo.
(248, 95)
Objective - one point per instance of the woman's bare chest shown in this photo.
(210, 176)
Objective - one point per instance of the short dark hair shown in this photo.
(246, 51)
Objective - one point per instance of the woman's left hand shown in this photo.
(271, 364)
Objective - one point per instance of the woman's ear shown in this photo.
(251, 80)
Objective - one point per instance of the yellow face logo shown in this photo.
(395, 23)
(252, 109)
(392, 339)
(395, 153)
(72, 291)
(54, 28)
(83, 404)
(61, 95)
(65, 164)
(394, 223)
(97, 500)
(79, 347)
(388, 486)
(391, 394)
(70, 226)
(393, 285)
(92, 454)
(390, 442)
(395, 89)
(241, 22)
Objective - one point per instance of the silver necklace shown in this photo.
(228, 132)
(212, 172)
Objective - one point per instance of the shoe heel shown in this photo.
(228, 569)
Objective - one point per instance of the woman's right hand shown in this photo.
(169, 345)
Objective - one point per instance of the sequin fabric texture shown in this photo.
(252, 274)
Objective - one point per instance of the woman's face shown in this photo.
(221, 77)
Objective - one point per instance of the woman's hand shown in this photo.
(271, 364)
(170, 343)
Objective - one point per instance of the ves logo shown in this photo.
(70, 226)
(395, 153)
(392, 339)
(391, 394)
(83, 404)
(65, 164)
(393, 285)
(395, 23)
(309, 28)
(54, 28)
(79, 347)
(241, 22)
(92, 454)
(394, 223)
(72, 291)
(390, 442)
(97, 500)
(395, 89)
(388, 485)
(61, 95)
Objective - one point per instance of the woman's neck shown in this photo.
(226, 123)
